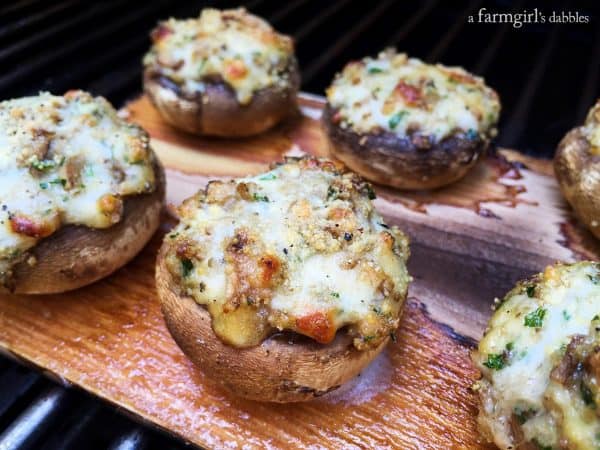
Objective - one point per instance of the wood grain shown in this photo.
(470, 242)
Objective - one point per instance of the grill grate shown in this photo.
(547, 77)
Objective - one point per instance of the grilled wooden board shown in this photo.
(470, 243)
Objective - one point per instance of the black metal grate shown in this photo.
(547, 77)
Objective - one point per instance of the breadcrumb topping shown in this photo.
(397, 94)
(65, 160)
(540, 362)
(231, 46)
(299, 248)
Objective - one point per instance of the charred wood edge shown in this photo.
(446, 330)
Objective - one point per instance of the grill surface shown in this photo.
(547, 77)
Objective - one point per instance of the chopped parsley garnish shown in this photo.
(596, 317)
(566, 315)
(45, 185)
(587, 395)
(374, 70)
(268, 177)
(335, 294)
(535, 319)
(186, 266)
(173, 235)
(471, 134)
(371, 193)
(510, 346)
(396, 119)
(530, 290)
(43, 165)
(495, 361)
(260, 198)
(368, 338)
(595, 278)
(332, 193)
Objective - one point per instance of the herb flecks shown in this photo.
(530, 290)
(56, 181)
(396, 119)
(370, 192)
(43, 165)
(471, 134)
(495, 361)
(332, 193)
(186, 267)
(535, 319)
(260, 198)
(587, 395)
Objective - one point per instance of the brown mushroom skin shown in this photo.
(216, 111)
(578, 174)
(283, 368)
(75, 256)
(413, 163)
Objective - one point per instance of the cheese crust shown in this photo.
(540, 361)
(299, 248)
(404, 96)
(229, 46)
(65, 160)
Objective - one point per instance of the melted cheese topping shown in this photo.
(64, 160)
(591, 128)
(241, 49)
(298, 248)
(539, 382)
(401, 95)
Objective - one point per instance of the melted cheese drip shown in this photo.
(570, 297)
(315, 279)
(47, 142)
(241, 49)
(402, 95)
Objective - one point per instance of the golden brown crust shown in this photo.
(578, 172)
(75, 256)
(284, 368)
(217, 112)
(404, 163)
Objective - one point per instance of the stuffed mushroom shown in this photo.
(540, 363)
(284, 285)
(226, 73)
(399, 121)
(80, 195)
(577, 168)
